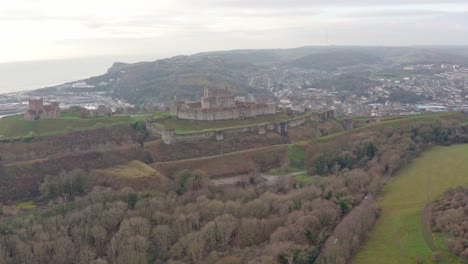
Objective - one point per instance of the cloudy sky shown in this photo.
(52, 29)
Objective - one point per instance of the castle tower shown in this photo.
(36, 104)
(207, 92)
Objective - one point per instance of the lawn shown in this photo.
(304, 179)
(133, 170)
(26, 205)
(189, 126)
(16, 126)
(397, 236)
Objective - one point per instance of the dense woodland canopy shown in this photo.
(322, 220)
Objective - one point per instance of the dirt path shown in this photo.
(426, 227)
(270, 179)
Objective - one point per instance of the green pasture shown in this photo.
(16, 126)
(26, 205)
(397, 236)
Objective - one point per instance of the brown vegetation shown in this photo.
(323, 220)
(229, 164)
(21, 180)
(450, 216)
(71, 143)
(188, 150)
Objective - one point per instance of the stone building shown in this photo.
(220, 104)
(37, 110)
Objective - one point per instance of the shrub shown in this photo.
(436, 256)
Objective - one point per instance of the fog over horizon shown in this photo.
(54, 29)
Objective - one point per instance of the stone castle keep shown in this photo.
(37, 110)
(220, 104)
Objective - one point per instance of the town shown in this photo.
(370, 90)
(359, 90)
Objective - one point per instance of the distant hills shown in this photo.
(181, 76)
(331, 60)
(184, 76)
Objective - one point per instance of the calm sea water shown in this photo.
(22, 76)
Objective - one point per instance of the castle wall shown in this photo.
(169, 136)
(222, 114)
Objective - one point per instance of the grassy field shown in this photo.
(304, 179)
(392, 122)
(397, 236)
(133, 170)
(189, 126)
(16, 126)
(26, 205)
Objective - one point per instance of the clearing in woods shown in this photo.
(133, 170)
(398, 234)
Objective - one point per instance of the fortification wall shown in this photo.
(196, 114)
(169, 136)
(222, 114)
(194, 136)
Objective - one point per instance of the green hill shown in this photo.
(184, 76)
(398, 236)
(16, 126)
(181, 76)
(334, 59)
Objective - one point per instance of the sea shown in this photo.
(31, 75)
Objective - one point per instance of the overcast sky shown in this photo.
(52, 29)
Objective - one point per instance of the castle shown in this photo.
(37, 110)
(220, 104)
(169, 135)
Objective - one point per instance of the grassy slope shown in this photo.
(397, 236)
(188, 126)
(392, 122)
(16, 126)
(134, 169)
(229, 164)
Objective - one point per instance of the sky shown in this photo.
(59, 29)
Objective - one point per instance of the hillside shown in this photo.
(184, 76)
(123, 206)
(17, 126)
(181, 76)
(398, 232)
(333, 60)
(346, 55)
(431, 56)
